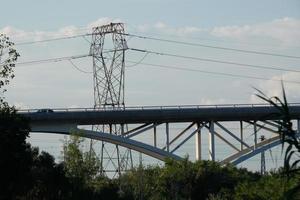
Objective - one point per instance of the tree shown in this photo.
(185, 180)
(24, 173)
(287, 134)
(270, 186)
(15, 153)
(79, 165)
(8, 57)
(49, 181)
(142, 183)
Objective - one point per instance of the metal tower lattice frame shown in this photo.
(109, 78)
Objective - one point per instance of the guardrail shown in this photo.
(111, 108)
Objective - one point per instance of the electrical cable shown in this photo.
(80, 70)
(170, 41)
(139, 62)
(214, 47)
(174, 35)
(214, 73)
(50, 40)
(215, 61)
(58, 59)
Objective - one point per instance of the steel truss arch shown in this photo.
(117, 140)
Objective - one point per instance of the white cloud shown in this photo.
(68, 31)
(273, 88)
(286, 30)
(209, 101)
(102, 21)
(162, 27)
(22, 35)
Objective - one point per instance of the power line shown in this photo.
(214, 47)
(58, 59)
(170, 41)
(50, 40)
(69, 58)
(80, 70)
(172, 35)
(215, 61)
(140, 61)
(214, 73)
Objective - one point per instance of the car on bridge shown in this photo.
(45, 110)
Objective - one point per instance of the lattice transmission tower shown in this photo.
(262, 159)
(108, 51)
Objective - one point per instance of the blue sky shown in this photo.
(53, 14)
(271, 26)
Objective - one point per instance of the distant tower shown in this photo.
(108, 75)
(262, 159)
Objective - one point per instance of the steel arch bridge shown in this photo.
(249, 121)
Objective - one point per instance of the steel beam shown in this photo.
(187, 138)
(241, 135)
(167, 137)
(255, 134)
(262, 126)
(198, 142)
(179, 135)
(142, 130)
(154, 135)
(247, 153)
(211, 141)
(231, 134)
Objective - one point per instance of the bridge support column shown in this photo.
(167, 137)
(211, 141)
(122, 129)
(255, 134)
(242, 134)
(154, 135)
(198, 143)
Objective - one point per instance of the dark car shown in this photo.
(45, 111)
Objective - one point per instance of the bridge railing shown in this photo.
(146, 108)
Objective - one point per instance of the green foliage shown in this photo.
(81, 169)
(48, 178)
(15, 154)
(142, 183)
(80, 166)
(8, 57)
(184, 180)
(288, 135)
(268, 187)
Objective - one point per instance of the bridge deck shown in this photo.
(154, 114)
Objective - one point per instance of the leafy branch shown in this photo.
(8, 58)
(288, 136)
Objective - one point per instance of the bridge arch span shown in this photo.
(160, 154)
(122, 141)
(248, 153)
